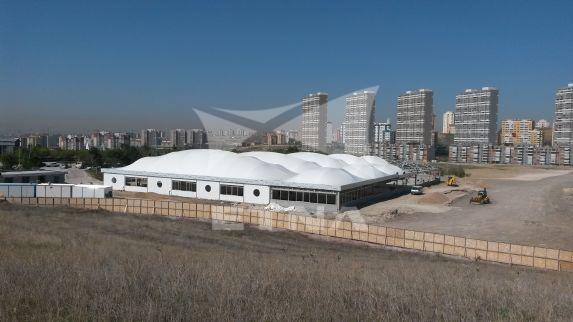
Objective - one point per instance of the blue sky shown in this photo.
(134, 64)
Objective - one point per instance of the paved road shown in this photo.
(79, 176)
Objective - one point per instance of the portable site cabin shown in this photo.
(91, 191)
(34, 176)
(17, 190)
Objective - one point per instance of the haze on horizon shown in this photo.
(69, 65)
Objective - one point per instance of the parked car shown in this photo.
(417, 190)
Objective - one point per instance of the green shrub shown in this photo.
(452, 170)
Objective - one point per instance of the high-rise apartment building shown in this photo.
(563, 125)
(341, 138)
(415, 117)
(329, 133)
(197, 139)
(516, 132)
(476, 116)
(179, 138)
(313, 127)
(383, 133)
(358, 123)
(117, 140)
(150, 138)
(542, 124)
(448, 126)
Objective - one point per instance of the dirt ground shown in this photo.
(532, 206)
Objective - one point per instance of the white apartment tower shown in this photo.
(359, 123)
(448, 126)
(563, 125)
(415, 117)
(476, 116)
(313, 127)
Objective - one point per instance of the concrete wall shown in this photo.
(473, 249)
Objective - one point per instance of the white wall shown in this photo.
(231, 198)
(89, 192)
(135, 189)
(54, 191)
(264, 194)
(180, 193)
(17, 190)
(118, 185)
(80, 192)
(165, 185)
(202, 193)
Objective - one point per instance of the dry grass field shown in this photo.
(69, 264)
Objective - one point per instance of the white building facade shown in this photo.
(313, 127)
(414, 119)
(563, 125)
(448, 126)
(476, 116)
(358, 123)
(301, 179)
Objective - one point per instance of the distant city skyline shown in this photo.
(131, 65)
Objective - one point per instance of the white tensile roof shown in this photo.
(305, 168)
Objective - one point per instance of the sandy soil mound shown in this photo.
(434, 198)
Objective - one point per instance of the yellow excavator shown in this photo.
(452, 181)
(482, 198)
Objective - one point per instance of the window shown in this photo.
(256, 192)
(136, 182)
(159, 184)
(208, 188)
(277, 194)
(231, 190)
(331, 199)
(313, 197)
(113, 180)
(304, 196)
(184, 186)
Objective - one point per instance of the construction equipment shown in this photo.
(482, 198)
(452, 181)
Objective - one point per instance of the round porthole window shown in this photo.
(113, 180)
(256, 192)
(159, 184)
(208, 188)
